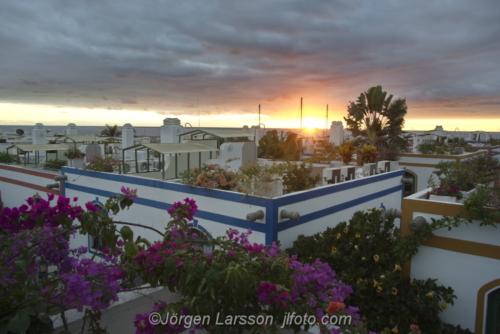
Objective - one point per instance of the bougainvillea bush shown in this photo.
(237, 278)
(35, 237)
(368, 253)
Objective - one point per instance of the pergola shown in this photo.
(170, 149)
(219, 135)
(86, 139)
(37, 148)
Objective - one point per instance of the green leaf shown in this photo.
(131, 249)
(20, 264)
(127, 233)
(20, 322)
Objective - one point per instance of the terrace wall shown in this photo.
(466, 258)
(220, 210)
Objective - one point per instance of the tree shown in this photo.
(377, 119)
(277, 147)
(111, 131)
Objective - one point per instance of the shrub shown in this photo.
(102, 164)
(368, 154)
(346, 151)
(426, 148)
(212, 176)
(298, 177)
(74, 153)
(369, 254)
(54, 164)
(7, 158)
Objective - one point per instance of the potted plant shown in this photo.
(75, 156)
(446, 193)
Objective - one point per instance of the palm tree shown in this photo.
(377, 119)
(111, 131)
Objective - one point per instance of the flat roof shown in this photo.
(42, 147)
(173, 148)
(221, 133)
(85, 138)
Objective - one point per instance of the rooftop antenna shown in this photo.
(301, 114)
(259, 115)
(326, 123)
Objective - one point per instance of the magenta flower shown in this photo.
(129, 193)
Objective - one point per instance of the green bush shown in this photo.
(368, 253)
(298, 177)
(102, 164)
(54, 164)
(7, 159)
(426, 148)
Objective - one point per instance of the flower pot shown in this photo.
(449, 199)
(466, 194)
(76, 163)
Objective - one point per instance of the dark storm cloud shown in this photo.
(169, 55)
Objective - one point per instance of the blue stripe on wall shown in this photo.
(213, 193)
(335, 188)
(222, 219)
(271, 226)
(336, 208)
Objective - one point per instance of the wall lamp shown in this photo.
(52, 186)
(417, 224)
(292, 215)
(253, 216)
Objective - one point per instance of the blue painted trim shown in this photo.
(271, 232)
(337, 208)
(335, 188)
(214, 193)
(218, 218)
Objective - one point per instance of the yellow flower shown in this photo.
(334, 250)
(375, 283)
(379, 289)
(363, 258)
(382, 276)
(346, 230)
(412, 282)
(356, 247)
(359, 280)
(394, 291)
(444, 305)
(380, 210)
(395, 329)
(430, 294)
(376, 257)
(397, 267)
(357, 236)
(368, 209)
(338, 236)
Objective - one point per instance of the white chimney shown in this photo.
(39, 135)
(170, 130)
(71, 130)
(128, 140)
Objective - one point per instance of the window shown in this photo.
(200, 241)
(410, 188)
(493, 312)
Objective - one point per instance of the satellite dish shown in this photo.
(20, 132)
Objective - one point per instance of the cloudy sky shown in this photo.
(213, 62)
